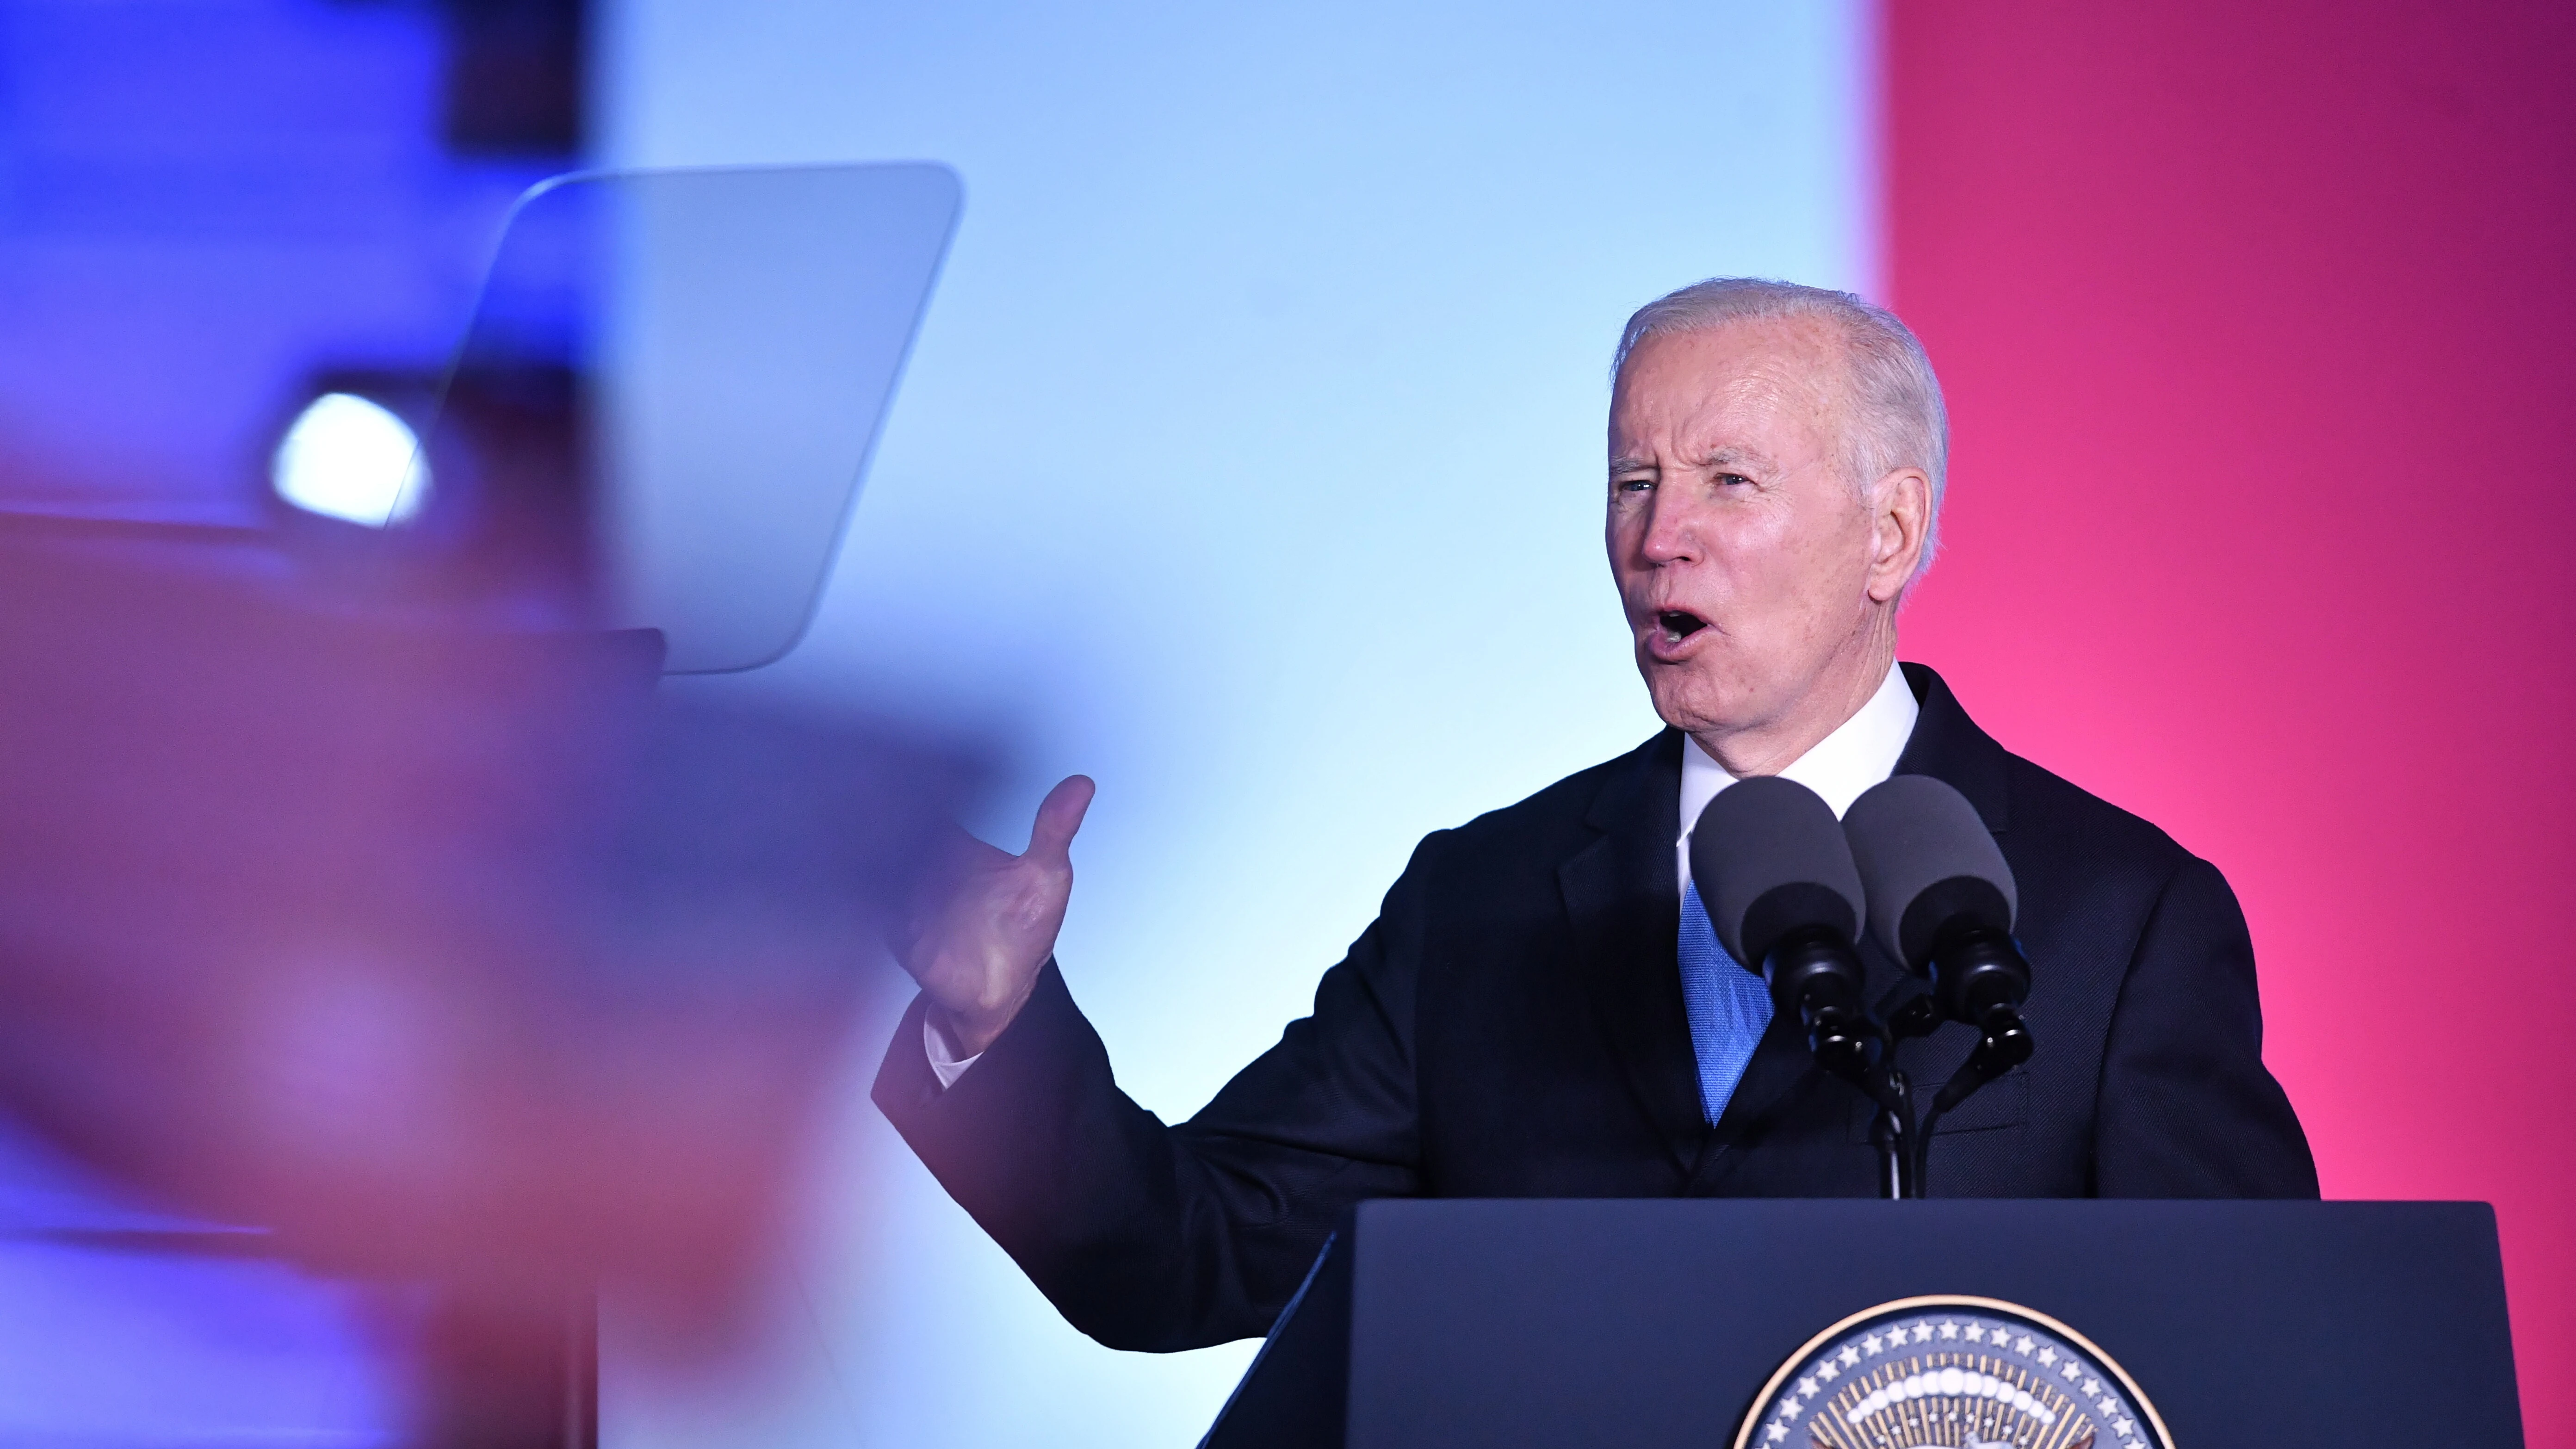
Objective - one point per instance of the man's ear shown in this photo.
(1900, 513)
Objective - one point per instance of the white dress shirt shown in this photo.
(1859, 753)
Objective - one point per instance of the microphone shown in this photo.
(1777, 878)
(1941, 900)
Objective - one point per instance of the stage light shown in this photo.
(349, 458)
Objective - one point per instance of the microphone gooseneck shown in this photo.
(1942, 901)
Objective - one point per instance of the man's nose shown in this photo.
(1670, 534)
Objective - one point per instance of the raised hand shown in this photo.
(987, 924)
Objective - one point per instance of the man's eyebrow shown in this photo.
(1737, 457)
(1732, 456)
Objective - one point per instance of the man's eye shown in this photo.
(1631, 485)
(1733, 480)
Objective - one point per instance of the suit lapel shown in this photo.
(1948, 746)
(1624, 905)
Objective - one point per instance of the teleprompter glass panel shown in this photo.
(669, 390)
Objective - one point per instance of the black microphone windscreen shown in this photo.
(1926, 860)
(1769, 858)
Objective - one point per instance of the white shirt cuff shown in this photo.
(945, 1064)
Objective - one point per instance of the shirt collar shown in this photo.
(1861, 751)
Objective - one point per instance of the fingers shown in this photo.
(1059, 816)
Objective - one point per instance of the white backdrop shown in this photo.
(1250, 461)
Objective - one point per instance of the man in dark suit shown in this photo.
(1540, 1009)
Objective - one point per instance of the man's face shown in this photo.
(1742, 552)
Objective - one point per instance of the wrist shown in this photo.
(969, 1033)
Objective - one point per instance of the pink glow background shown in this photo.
(2259, 329)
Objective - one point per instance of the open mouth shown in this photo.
(1679, 624)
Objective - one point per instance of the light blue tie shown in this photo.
(1729, 1007)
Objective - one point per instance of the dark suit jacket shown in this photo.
(1512, 1026)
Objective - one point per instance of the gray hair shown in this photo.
(1897, 418)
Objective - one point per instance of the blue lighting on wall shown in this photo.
(1250, 456)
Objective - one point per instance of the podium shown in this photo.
(1651, 1323)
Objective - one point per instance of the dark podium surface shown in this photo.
(1655, 1323)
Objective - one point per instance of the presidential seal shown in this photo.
(1969, 1373)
